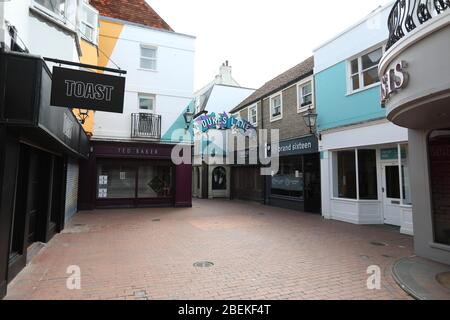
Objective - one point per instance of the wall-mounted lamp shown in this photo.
(83, 115)
(188, 117)
(311, 121)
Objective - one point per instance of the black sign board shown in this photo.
(300, 146)
(73, 88)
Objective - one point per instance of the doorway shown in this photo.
(313, 195)
(391, 194)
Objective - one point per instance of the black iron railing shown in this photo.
(407, 15)
(146, 125)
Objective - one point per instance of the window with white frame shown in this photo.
(253, 115)
(53, 7)
(89, 23)
(149, 57)
(276, 107)
(364, 70)
(146, 103)
(305, 94)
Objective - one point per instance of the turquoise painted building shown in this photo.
(337, 106)
(364, 163)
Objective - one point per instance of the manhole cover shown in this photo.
(444, 279)
(378, 244)
(156, 220)
(203, 264)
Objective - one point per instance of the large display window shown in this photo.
(119, 179)
(288, 182)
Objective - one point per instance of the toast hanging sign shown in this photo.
(73, 88)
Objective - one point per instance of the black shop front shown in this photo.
(37, 140)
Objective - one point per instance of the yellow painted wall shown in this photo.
(89, 55)
(109, 33)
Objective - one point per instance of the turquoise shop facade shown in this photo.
(364, 162)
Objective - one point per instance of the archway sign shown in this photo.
(224, 121)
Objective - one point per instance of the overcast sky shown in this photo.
(260, 38)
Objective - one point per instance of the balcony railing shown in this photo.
(146, 126)
(407, 15)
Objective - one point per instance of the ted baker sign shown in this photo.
(73, 88)
(395, 79)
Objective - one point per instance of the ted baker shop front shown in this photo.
(127, 175)
(415, 73)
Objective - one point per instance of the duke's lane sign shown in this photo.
(87, 90)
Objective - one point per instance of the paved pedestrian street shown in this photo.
(258, 252)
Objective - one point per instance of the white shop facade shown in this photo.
(365, 175)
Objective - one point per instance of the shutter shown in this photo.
(71, 189)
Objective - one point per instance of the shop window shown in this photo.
(367, 172)
(219, 179)
(116, 181)
(288, 182)
(439, 162)
(345, 174)
(154, 181)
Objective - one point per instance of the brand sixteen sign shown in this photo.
(87, 90)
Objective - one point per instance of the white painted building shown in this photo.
(364, 158)
(220, 95)
(159, 80)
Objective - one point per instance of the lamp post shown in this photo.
(311, 121)
(188, 117)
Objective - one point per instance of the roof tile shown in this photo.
(137, 11)
(301, 70)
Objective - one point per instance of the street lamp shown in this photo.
(188, 117)
(310, 120)
(83, 115)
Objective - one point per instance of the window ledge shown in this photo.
(277, 118)
(148, 70)
(301, 109)
(439, 246)
(363, 89)
(50, 18)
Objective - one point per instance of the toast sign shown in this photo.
(87, 90)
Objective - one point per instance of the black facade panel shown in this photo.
(20, 89)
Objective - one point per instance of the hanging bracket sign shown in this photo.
(73, 88)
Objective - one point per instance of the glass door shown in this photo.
(391, 195)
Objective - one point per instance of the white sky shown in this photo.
(260, 38)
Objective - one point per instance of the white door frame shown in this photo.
(390, 202)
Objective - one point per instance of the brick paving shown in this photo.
(258, 252)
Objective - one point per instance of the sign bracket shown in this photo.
(84, 65)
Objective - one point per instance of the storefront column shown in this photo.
(183, 183)
(9, 153)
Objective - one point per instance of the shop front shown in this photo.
(132, 175)
(416, 94)
(38, 142)
(297, 183)
(366, 176)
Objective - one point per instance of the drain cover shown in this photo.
(156, 220)
(444, 279)
(379, 244)
(203, 264)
